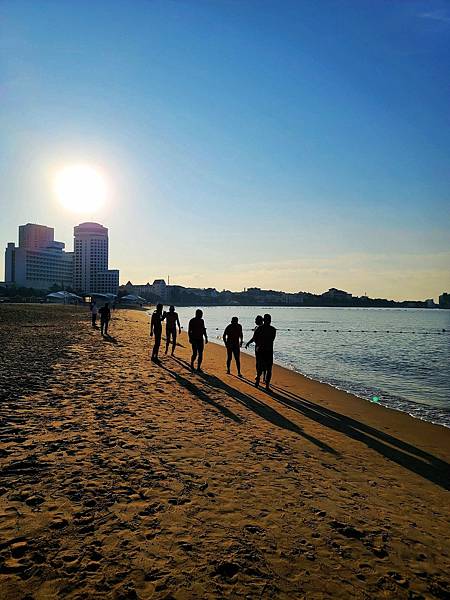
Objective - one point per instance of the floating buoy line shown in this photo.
(444, 331)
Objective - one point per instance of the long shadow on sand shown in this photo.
(191, 387)
(414, 459)
(261, 409)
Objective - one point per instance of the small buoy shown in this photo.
(324, 329)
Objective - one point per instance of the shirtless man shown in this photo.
(233, 338)
(172, 321)
(198, 338)
(156, 330)
(258, 322)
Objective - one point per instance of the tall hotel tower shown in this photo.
(90, 263)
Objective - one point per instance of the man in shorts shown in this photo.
(233, 338)
(197, 338)
(258, 322)
(172, 321)
(105, 318)
(156, 330)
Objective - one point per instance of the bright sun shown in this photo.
(80, 188)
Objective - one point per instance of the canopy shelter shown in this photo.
(133, 300)
(64, 297)
(102, 298)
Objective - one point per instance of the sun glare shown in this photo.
(80, 188)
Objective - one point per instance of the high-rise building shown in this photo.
(34, 236)
(38, 261)
(90, 267)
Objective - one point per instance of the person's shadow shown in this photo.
(404, 454)
(408, 456)
(109, 338)
(260, 408)
(199, 393)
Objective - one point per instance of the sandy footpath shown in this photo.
(124, 479)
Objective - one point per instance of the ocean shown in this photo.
(396, 357)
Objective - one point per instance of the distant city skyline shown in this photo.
(39, 237)
(292, 146)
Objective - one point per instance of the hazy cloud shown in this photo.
(396, 276)
(437, 15)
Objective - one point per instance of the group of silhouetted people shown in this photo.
(263, 338)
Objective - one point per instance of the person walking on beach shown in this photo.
(258, 322)
(264, 338)
(172, 321)
(197, 338)
(94, 312)
(105, 318)
(233, 338)
(156, 330)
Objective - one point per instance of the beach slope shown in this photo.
(125, 479)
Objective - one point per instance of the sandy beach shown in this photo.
(125, 479)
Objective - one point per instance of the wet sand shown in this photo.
(124, 479)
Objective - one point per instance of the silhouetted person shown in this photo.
(258, 322)
(172, 321)
(264, 337)
(105, 318)
(233, 338)
(197, 338)
(156, 330)
(94, 312)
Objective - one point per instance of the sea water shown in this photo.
(396, 357)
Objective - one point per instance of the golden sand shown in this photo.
(124, 479)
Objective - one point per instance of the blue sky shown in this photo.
(292, 145)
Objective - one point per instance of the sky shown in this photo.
(245, 143)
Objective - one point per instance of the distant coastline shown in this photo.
(184, 296)
(181, 296)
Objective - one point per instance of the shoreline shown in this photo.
(354, 393)
(395, 375)
(126, 479)
(341, 400)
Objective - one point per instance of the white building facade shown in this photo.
(38, 261)
(148, 291)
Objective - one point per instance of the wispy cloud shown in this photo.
(437, 15)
